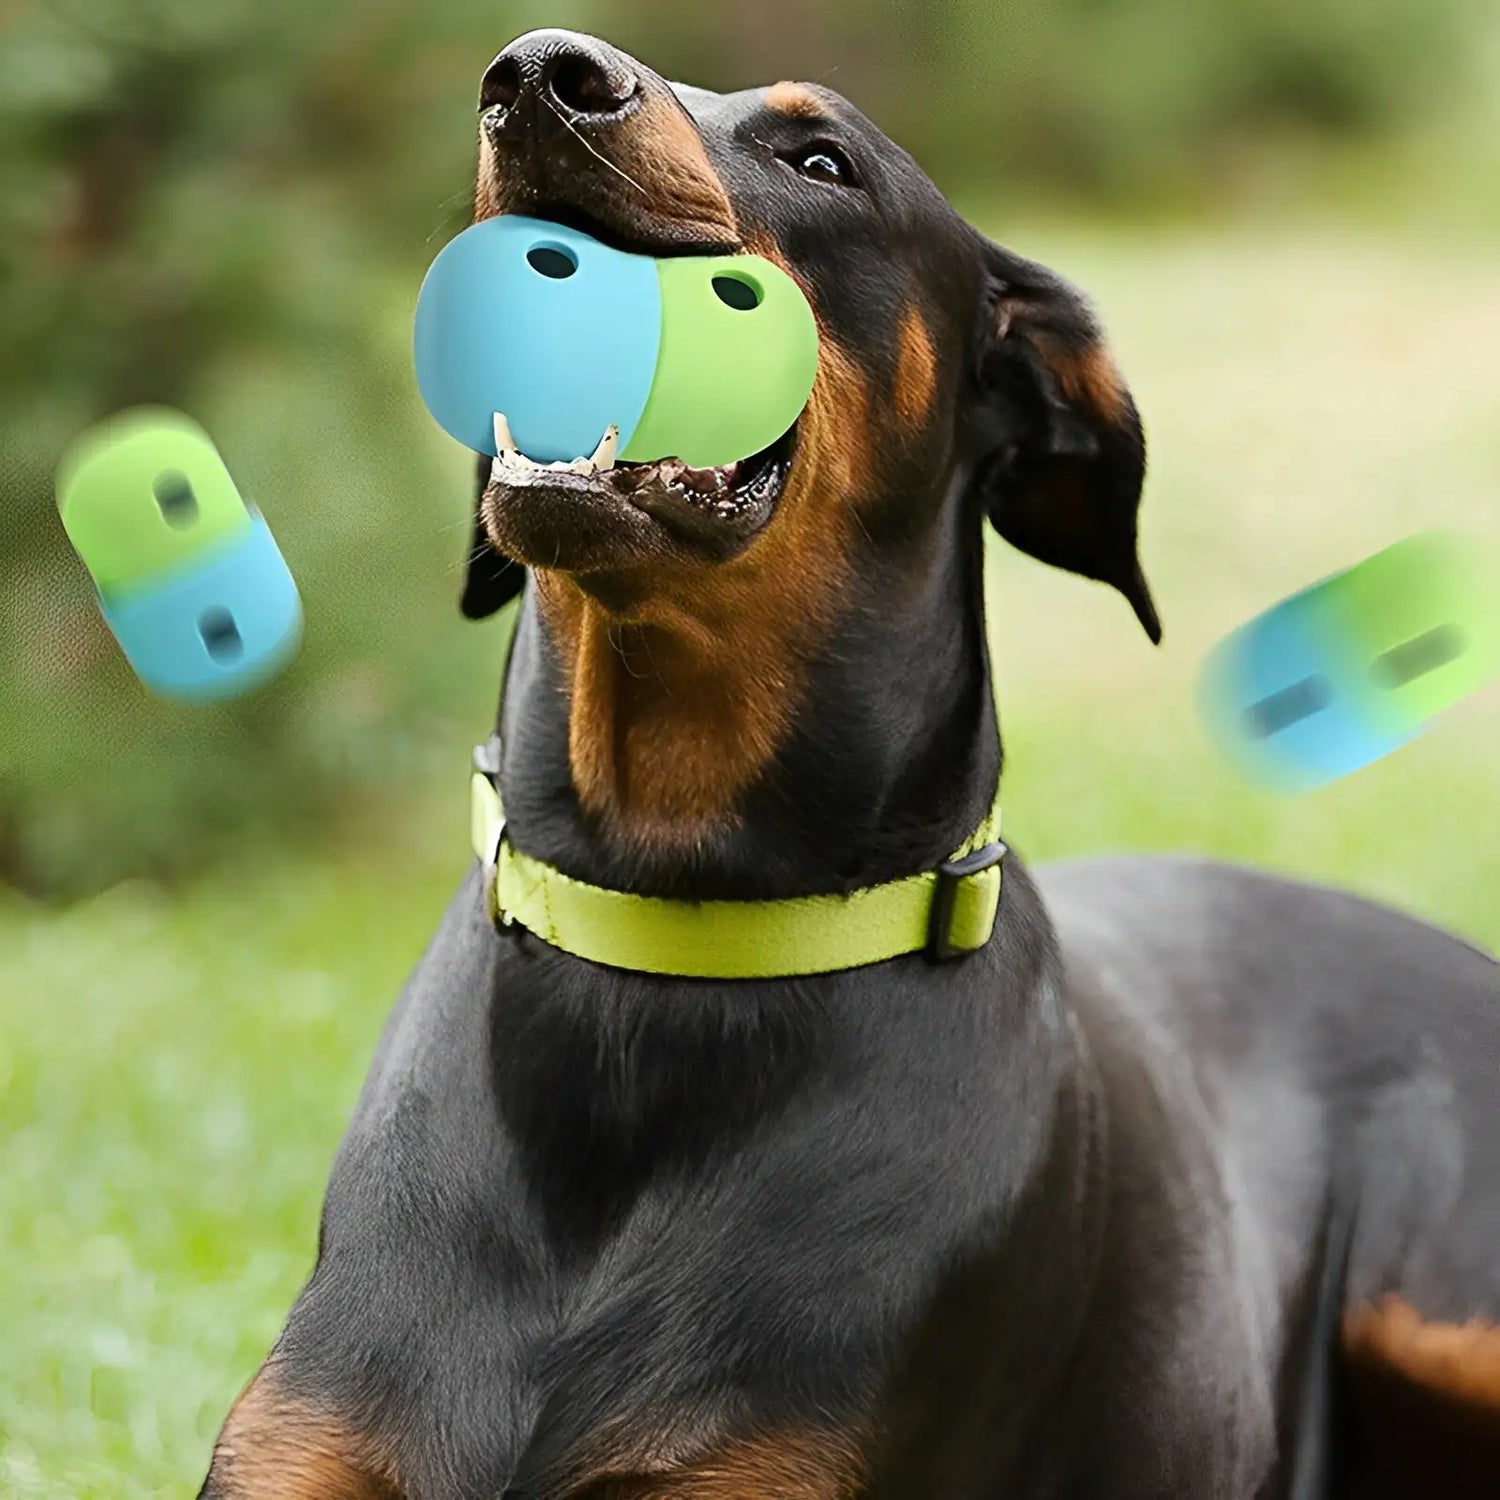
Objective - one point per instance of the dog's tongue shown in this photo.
(701, 481)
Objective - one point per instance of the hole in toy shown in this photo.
(738, 291)
(556, 262)
(175, 499)
(1416, 658)
(1289, 706)
(221, 636)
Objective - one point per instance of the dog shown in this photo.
(1186, 1182)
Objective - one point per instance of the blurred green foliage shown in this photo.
(227, 208)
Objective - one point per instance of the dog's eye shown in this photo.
(824, 162)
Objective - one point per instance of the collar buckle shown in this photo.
(965, 900)
(487, 826)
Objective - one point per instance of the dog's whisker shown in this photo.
(599, 155)
(448, 214)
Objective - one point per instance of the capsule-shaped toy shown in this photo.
(189, 577)
(1354, 667)
(704, 358)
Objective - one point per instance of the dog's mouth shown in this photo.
(595, 511)
(709, 511)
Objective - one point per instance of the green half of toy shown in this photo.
(1423, 619)
(739, 353)
(145, 494)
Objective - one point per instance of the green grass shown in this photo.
(175, 1069)
(174, 1075)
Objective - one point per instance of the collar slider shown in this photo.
(965, 899)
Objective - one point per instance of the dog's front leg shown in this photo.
(279, 1445)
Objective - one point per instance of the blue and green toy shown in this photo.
(707, 359)
(1353, 668)
(190, 579)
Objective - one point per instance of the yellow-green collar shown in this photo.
(944, 913)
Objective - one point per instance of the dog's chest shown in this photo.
(714, 1303)
(565, 1231)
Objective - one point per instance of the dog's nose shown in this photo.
(579, 76)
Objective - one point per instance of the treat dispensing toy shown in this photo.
(190, 579)
(1354, 667)
(707, 359)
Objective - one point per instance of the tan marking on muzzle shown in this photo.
(668, 160)
(487, 197)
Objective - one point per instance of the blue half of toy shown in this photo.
(213, 630)
(549, 326)
(1289, 700)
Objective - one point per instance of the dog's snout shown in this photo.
(580, 76)
(570, 126)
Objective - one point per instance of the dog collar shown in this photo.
(943, 913)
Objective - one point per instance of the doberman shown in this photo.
(1186, 1183)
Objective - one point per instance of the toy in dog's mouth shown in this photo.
(635, 405)
(714, 510)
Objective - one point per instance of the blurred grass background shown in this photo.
(1290, 217)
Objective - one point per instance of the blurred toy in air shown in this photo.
(1356, 666)
(189, 577)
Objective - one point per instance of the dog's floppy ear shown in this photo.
(1061, 451)
(490, 581)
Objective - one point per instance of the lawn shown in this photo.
(175, 1066)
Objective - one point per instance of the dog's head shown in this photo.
(950, 372)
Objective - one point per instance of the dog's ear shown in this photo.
(1061, 453)
(490, 581)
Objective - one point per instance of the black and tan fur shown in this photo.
(1187, 1185)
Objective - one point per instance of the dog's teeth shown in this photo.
(603, 456)
(510, 460)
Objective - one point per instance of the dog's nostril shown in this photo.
(584, 85)
(502, 85)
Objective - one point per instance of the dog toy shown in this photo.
(1354, 667)
(189, 578)
(704, 358)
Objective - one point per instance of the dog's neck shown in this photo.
(872, 758)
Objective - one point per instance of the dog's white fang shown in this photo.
(509, 459)
(604, 455)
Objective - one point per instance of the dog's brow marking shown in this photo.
(916, 369)
(795, 99)
(1460, 1360)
